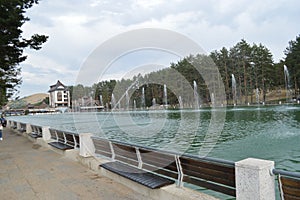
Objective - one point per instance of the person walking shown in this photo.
(1, 129)
(2, 124)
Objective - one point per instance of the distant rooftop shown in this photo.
(58, 86)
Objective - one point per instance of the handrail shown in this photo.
(286, 173)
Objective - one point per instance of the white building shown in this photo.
(59, 95)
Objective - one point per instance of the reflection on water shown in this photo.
(268, 132)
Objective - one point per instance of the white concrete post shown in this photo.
(254, 179)
(18, 125)
(87, 148)
(9, 123)
(28, 128)
(46, 133)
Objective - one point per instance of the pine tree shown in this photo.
(292, 61)
(12, 44)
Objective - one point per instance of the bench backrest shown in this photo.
(159, 162)
(208, 174)
(102, 147)
(23, 126)
(290, 187)
(53, 134)
(36, 130)
(125, 153)
(69, 138)
(60, 136)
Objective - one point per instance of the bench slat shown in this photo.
(145, 178)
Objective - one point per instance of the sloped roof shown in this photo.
(58, 86)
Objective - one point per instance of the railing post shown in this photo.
(179, 170)
(87, 148)
(46, 133)
(139, 157)
(254, 179)
(9, 123)
(113, 155)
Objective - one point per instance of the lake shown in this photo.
(266, 132)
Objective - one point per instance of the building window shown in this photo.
(59, 96)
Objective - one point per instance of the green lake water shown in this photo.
(266, 132)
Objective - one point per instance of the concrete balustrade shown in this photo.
(28, 128)
(87, 148)
(254, 179)
(46, 133)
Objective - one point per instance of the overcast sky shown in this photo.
(76, 27)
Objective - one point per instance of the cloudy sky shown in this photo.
(76, 27)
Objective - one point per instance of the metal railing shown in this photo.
(211, 173)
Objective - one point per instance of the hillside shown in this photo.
(35, 98)
(23, 102)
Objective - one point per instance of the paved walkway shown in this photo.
(29, 171)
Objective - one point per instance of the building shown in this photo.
(59, 95)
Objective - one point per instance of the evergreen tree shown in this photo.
(292, 61)
(12, 44)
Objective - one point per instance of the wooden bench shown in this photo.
(64, 140)
(127, 162)
(36, 131)
(289, 187)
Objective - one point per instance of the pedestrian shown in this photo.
(2, 124)
(1, 129)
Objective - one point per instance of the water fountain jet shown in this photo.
(233, 83)
(101, 100)
(165, 96)
(127, 100)
(143, 104)
(113, 101)
(287, 82)
(196, 96)
(180, 102)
